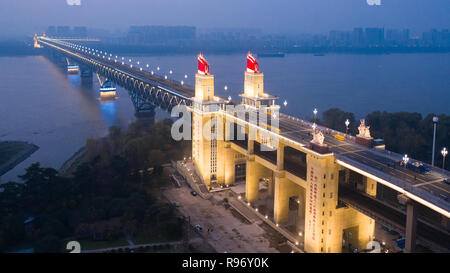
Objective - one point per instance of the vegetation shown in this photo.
(404, 133)
(111, 196)
(14, 152)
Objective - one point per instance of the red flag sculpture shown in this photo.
(203, 67)
(252, 64)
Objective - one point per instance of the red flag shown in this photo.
(252, 64)
(203, 67)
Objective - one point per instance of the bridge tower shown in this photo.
(255, 98)
(207, 127)
(36, 41)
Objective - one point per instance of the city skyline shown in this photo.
(301, 17)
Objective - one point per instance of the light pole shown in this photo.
(285, 103)
(315, 114)
(444, 153)
(347, 123)
(405, 159)
(435, 121)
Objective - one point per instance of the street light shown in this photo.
(229, 98)
(444, 153)
(185, 76)
(225, 88)
(347, 123)
(405, 159)
(170, 72)
(315, 114)
(285, 103)
(435, 121)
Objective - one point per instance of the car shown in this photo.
(194, 193)
(198, 228)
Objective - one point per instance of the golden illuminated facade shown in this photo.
(327, 227)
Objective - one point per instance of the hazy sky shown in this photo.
(307, 16)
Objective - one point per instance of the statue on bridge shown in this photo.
(318, 137)
(316, 143)
(364, 130)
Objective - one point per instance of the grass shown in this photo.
(10, 149)
(141, 238)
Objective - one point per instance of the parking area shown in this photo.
(222, 226)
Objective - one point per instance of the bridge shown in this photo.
(333, 177)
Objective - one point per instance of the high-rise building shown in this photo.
(158, 34)
(357, 37)
(80, 32)
(374, 36)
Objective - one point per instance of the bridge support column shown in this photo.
(252, 180)
(371, 187)
(281, 199)
(229, 163)
(411, 227)
(411, 222)
(85, 72)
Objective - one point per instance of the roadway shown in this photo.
(372, 160)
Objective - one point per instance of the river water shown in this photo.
(40, 103)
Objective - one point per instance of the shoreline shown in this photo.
(71, 164)
(19, 157)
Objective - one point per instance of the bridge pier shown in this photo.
(411, 223)
(86, 72)
(411, 227)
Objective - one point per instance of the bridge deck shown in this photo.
(429, 189)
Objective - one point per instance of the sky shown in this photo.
(22, 17)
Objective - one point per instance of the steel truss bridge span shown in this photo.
(146, 90)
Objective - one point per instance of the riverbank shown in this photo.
(73, 162)
(13, 153)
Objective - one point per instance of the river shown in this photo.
(40, 103)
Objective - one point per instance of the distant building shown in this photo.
(51, 31)
(80, 32)
(160, 34)
(374, 36)
(397, 37)
(339, 38)
(358, 37)
(63, 31)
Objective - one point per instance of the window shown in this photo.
(331, 195)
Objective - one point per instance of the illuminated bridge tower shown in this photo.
(207, 127)
(254, 98)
